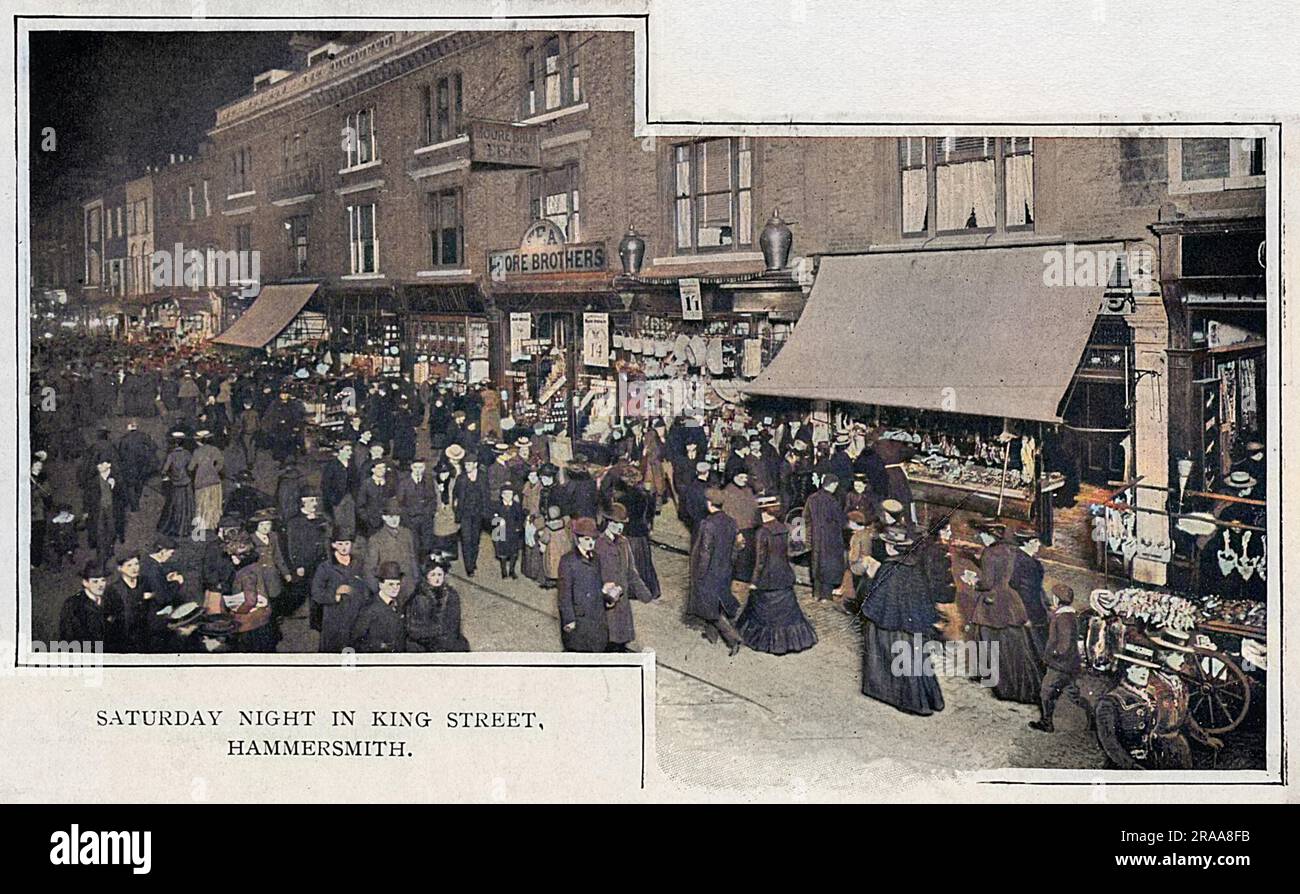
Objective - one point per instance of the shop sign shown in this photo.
(595, 339)
(521, 330)
(543, 251)
(480, 344)
(495, 143)
(692, 305)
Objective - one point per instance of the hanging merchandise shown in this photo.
(1114, 528)
(714, 356)
(752, 364)
(1248, 396)
(1129, 548)
(696, 351)
(1227, 556)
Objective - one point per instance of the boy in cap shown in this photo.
(1061, 655)
(507, 530)
(90, 615)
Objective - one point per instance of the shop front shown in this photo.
(364, 327)
(447, 334)
(994, 389)
(1215, 293)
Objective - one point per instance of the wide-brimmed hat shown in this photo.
(892, 506)
(261, 515)
(1240, 479)
(897, 536)
(454, 452)
(1138, 655)
(770, 502)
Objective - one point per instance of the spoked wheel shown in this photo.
(1218, 692)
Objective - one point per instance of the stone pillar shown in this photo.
(1150, 326)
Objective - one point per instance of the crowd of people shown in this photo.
(368, 518)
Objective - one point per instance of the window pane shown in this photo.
(683, 170)
(911, 152)
(965, 195)
(715, 220)
(450, 245)
(743, 169)
(745, 225)
(1205, 158)
(715, 165)
(1019, 172)
(916, 201)
(684, 222)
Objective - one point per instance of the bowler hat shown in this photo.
(617, 513)
(584, 527)
(392, 507)
(389, 571)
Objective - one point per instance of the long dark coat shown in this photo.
(583, 604)
(614, 558)
(337, 616)
(824, 518)
(712, 551)
(433, 621)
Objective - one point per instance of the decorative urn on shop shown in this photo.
(776, 240)
(631, 251)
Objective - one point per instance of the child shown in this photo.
(508, 531)
(557, 541)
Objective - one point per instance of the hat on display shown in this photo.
(1241, 479)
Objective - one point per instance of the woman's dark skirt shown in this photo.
(177, 517)
(645, 565)
(910, 692)
(742, 564)
(532, 562)
(1019, 677)
(773, 622)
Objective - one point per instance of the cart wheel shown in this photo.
(1219, 692)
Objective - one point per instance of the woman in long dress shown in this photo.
(177, 518)
(898, 619)
(772, 620)
(1002, 627)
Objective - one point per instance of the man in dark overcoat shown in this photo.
(712, 553)
(583, 624)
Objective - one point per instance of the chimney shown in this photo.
(300, 44)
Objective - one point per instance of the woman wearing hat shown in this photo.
(446, 530)
(271, 564)
(1001, 625)
(177, 518)
(898, 618)
(433, 613)
(206, 467)
(738, 502)
(772, 620)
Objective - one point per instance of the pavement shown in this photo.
(752, 726)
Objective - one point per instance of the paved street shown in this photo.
(757, 724)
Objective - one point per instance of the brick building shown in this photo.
(454, 204)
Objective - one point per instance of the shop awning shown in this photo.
(273, 310)
(975, 331)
